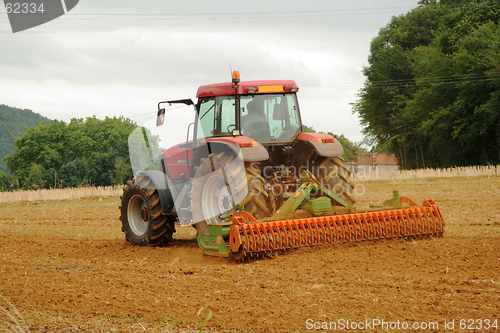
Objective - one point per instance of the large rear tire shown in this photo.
(212, 200)
(332, 173)
(257, 201)
(141, 214)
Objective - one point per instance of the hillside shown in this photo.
(14, 123)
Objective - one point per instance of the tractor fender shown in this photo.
(250, 150)
(323, 144)
(161, 181)
(255, 153)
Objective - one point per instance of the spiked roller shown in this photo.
(249, 238)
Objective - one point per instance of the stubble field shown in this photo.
(65, 267)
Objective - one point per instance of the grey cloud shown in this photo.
(169, 46)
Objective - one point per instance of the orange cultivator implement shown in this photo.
(249, 238)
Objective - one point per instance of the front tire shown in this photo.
(141, 214)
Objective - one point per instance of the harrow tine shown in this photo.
(410, 224)
(259, 239)
(394, 217)
(266, 238)
(286, 231)
(252, 240)
(432, 222)
(403, 223)
(425, 224)
(345, 224)
(310, 231)
(323, 230)
(358, 227)
(370, 225)
(328, 232)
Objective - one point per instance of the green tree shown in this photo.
(101, 167)
(34, 181)
(121, 171)
(73, 173)
(83, 151)
(50, 178)
(433, 85)
(4, 182)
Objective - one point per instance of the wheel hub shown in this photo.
(144, 214)
(224, 199)
(226, 202)
(138, 215)
(217, 201)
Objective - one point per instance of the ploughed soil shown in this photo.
(65, 267)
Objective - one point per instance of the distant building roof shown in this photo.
(384, 159)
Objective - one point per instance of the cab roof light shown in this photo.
(293, 88)
(236, 77)
(252, 90)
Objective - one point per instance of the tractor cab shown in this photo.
(266, 111)
(267, 118)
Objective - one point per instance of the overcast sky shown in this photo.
(121, 57)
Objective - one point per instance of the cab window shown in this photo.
(270, 117)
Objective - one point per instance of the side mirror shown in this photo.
(160, 118)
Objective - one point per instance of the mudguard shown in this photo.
(255, 153)
(323, 144)
(247, 149)
(251, 150)
(160, 181)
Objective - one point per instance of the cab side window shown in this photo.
(206, 118)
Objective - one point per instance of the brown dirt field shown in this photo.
(65, 266)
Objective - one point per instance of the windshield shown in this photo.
(265, 118)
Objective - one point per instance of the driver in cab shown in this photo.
(252, 118)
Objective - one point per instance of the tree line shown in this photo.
(83, 152)
(432, 91)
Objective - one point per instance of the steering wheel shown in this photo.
(288, 132)
(233, 125)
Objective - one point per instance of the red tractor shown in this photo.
(246, 167)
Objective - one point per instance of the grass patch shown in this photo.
(57, 194)
(487, 170)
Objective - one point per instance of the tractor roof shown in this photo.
(264, 86)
